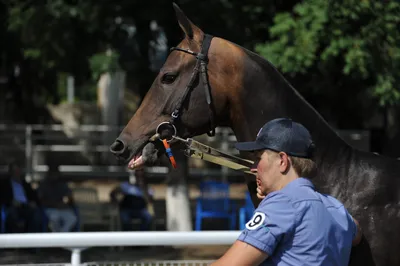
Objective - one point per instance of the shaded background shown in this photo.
(342, 56)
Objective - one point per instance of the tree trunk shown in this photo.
(110, 87)
(179, 216)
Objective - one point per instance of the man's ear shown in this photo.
(284, 162)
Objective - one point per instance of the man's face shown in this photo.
(16, 173)
(139, 176)
(269, 170)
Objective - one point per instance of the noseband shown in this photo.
(200, 68)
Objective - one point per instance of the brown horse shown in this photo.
(241, 90)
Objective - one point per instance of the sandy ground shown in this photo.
(237, 191)
(127, 254)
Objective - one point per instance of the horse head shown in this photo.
(189, 96)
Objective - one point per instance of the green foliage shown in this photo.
(62, 85)
(298, 40)
(104, 62)
(59, 36)
(362, 38)
(85, 92)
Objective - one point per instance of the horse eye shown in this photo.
(168, 78)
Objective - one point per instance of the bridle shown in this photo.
(200, 68)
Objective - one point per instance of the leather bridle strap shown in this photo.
(200, 67)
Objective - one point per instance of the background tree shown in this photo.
(341, 54)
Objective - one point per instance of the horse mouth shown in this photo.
(136, 161)
(147, 155)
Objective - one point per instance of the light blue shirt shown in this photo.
(18, 192)
(299, 226)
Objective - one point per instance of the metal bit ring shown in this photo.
(158, 130)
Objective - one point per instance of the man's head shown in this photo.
(14, 171)
(53, 172)
(284, 151)
(138, 177)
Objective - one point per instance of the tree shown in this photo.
(340, 48)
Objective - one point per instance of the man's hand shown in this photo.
(15, 203)
(358, 237)
(260, 194)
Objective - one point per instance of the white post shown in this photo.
(177, 197)
(70, 89)
(28, 153)
(76, 256)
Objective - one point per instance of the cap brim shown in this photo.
(249, 146)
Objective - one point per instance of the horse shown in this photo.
(208, 81)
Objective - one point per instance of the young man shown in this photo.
(133, 203)
(293, 224)
(57, 201)
(21, 202)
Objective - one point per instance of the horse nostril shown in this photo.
(118, 147)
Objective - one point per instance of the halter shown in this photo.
(200, 67)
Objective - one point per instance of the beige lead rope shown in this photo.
(198, 150)
(218, 160)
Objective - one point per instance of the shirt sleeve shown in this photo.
(274, 219)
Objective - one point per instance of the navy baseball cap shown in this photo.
(281, 134)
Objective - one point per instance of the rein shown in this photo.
(198, 150)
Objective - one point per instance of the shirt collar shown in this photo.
(293, 185)
(299, 182)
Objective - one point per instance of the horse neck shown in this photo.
(265, 95)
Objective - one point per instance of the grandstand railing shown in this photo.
(26, 140)
(23, 138)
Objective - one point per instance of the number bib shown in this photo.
(256, 221)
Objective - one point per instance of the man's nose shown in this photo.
(253, 168)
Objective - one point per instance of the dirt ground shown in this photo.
(128, 254)
(104, 187)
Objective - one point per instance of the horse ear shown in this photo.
(186, 25)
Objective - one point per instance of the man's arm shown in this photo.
(114, 193)
(31, 194)
(358, 237)
(271, 221)
(241, 254)
(70, 196)
(361, 253)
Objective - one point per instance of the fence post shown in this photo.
(76, 256)
(28, 153)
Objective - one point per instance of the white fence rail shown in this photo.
(128, 263)
(77, 242)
